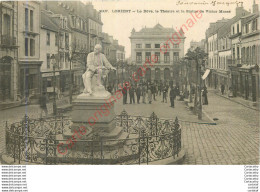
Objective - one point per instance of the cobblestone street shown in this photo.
(234, 140)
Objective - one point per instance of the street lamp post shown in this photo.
(189, 78)
(70, 76)
(53, 61)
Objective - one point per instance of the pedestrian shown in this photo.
(124, 91)
(172, 96)
(144, 92)
(165, 90)
(222, 88)
(159, 89)
(177, 90)
(153, 91)
(150, 94)
(43, 104)
(138, 93)
(204, 95)
(132, 94)
(109, 89)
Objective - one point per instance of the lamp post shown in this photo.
(200, 89)
(53, 61)
(122, 72)
(202, 63)
(188, 77)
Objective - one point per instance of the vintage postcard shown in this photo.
(129, 82)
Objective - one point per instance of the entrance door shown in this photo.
(157, 74)
(5, 78)
(148, 75)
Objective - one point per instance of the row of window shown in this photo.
(212, 45)
(155, 45)
(253, 24)
(62, 59)
(233, 29)
(219, 63)
(250, 55)
(29, 21)
(157, 57)
(48, 39)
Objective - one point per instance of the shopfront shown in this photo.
(30, 78)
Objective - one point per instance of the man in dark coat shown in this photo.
(204, 95)
(222, 89)
(172, 96)
(132, 94)
(138, 93)
(153, 89)
(124, 92)
(165, 91)
(144, 93)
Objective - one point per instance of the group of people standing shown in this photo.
(146, 92)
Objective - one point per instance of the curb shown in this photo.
(205, 113)
(237, 102)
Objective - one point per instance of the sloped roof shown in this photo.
(249, 17)
(226, 28)
(48, 23)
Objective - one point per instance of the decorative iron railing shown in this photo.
(38, 141)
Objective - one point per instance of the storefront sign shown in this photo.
(49, 74)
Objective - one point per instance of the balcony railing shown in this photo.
(7, 40)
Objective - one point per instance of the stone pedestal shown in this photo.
(97, 113)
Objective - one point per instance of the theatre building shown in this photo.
(147, 42)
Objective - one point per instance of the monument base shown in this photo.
(96, 113)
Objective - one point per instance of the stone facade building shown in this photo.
(147, 42)
(219, 50)
(9, 70)
(245, 56)
(29, 49)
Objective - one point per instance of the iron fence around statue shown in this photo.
(150, 139)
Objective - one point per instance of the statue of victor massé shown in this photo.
(97, 69)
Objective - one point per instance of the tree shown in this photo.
(77, 54)
(198, 56)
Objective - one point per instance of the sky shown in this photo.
(120, 25)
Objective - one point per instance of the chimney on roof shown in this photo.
(239, 11)
(255, 7)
